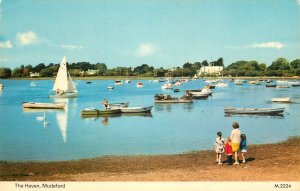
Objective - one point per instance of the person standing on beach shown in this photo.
(228, 150)
(236, 140)
(219, 147)
(243, 146)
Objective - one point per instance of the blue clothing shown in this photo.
(243, 145)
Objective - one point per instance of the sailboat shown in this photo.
(63, 86)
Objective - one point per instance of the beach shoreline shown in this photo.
(266, 162)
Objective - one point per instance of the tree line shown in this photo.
(279, 67)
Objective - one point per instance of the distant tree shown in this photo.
(280, 64)
(187, 65)
(205, 63)
(219, 62)
(17, 72)
(46, 72)
(262, 67)
(295, 64)
(5, 72)
(39, 67)
(197, 65)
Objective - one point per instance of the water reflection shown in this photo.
(271, 116)
(62, 118)
(106, 117)
(168, 107)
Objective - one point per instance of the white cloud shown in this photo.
(71, 47)
(28, 38)
(277, 45)
(145, 50)
(6, 44)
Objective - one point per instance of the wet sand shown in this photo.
(268, 162)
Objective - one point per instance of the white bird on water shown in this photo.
(41, 118)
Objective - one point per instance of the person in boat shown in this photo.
(59, 92)
(236, 140)
(105, 103)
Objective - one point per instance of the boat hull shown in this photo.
(286, 99)
(136, 109)
(35, 105)
(174, 101)
(253, 110)
(65, 95)
(89, 112)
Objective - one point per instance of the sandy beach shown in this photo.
(268, 162)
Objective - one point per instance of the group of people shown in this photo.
(231, 146)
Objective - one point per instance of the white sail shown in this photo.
(61, 81)
(71, 86)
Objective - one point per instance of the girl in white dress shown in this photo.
(219, 147)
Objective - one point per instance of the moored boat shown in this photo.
(167, 86)
(221, 84)
(1, 86)
(139, 85)
(110, 87)
(161, 98)
(229, 110)
(118, 82)
(118, 105)
(282, 86)
(93, 111)
(141, 109)
(36, 105)
(271, 85)
(283, 99)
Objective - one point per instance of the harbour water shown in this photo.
(169, 129)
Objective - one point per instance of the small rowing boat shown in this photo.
(253, 110)
(36, 105)
(283, 99)
(118, 105)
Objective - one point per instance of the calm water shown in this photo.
(170, 129)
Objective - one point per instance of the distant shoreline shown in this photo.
(151, 78)
(265, 162)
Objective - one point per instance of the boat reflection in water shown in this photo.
(105, 117)
(62, 119)
(168, 107)
(273, 116)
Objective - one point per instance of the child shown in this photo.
(228, 151)
(243, 146)
(219, 147)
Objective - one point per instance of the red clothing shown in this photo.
(228, 149)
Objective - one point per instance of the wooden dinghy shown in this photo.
(36, 105)
(283, 99)
(253, 110)
(96, 112)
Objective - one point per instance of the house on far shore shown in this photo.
(35, 74)
(89, 72)
(209, 70)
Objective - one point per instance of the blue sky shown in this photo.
(160, 33)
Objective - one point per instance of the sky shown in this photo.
(160, 33)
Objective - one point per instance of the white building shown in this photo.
(217, 70)
(36, 74)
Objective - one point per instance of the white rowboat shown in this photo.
(36, 105)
